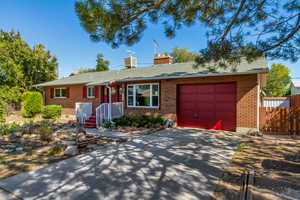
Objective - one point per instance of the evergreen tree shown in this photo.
(102, 65)
(235, 28)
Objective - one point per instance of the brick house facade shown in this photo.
(240, 102)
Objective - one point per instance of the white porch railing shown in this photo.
(103, 112)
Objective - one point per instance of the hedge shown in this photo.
(52, 111)
(139, 121)
(32, 103)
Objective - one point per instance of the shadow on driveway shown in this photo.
(170, 164)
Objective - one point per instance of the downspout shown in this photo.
(109, 104)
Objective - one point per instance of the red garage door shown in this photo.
(209, 106)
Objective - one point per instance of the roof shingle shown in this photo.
(163, 71)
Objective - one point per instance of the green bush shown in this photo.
(45, 133)
(2, 112)
(139, 121)
(55, 150)
(9, 128)
(32, 103)
(52, 111)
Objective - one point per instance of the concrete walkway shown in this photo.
(170, 164)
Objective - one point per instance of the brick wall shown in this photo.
(247, 98)
(75, 95)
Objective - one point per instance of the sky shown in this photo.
(55, 24)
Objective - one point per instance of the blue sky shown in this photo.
(54, 23)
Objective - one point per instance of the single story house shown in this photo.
(225, 99)
(295, 87)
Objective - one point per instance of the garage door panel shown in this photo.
(224, 107)
(211, 106)
(204, 108)
(205, 89)
(204, 98)
(224, 88)
(225, 97)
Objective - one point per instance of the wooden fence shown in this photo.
(280, 120)
(295, 101)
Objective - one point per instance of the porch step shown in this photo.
(91, 122)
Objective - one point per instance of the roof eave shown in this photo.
(193, 76)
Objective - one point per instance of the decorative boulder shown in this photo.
(68, 142)
(17, 134)
(71, 150)
(169, 123)
(80, 129)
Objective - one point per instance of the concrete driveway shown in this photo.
(170, 164)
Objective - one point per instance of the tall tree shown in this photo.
(102, 65)
(278, 80)
(181, 55)
(22, 66)
(235, 28)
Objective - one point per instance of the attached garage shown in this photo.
(209, 106)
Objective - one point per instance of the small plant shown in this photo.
(139, 121)
(32, 103)
(241, 147)
(2, 112)
(46, 123)
(55, 150)
(45, 133)
(107, 124)
(6, 129)
(52, 111)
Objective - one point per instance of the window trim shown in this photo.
(60, 97)
(134, 95)
(87, 92)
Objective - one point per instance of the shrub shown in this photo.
(2, 112)
(45, 133)
(52, 111)
(139, 121)
(32, 103)
(9, 128)
(107, 124)
(57, 149)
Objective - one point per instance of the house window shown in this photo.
(143, 95)
(90, 92)
(60, 92)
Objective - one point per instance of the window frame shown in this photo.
(87, 92)
(60, 96)
(134, 95)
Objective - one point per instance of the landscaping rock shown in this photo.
(71, 150)
(27, 148)
(22, 141)
(80, 129)
(169, 123)
(17, 134)
(68, 142)
(1, 138)
(92, 146)
(19, 149)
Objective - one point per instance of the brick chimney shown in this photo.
(130, 62)
(162, 58)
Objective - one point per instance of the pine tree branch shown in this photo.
(287, 38)
(233, 20)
